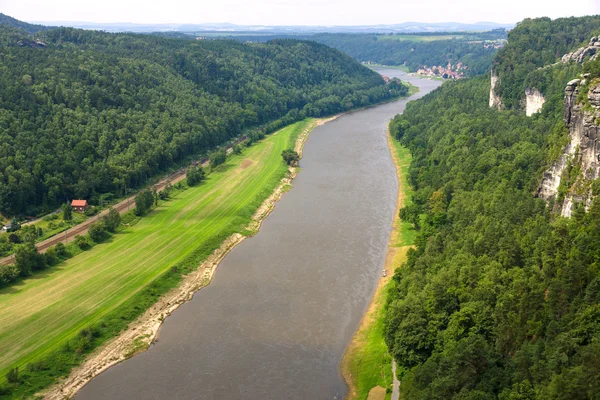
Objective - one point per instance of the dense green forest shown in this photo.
(500, 299)
(85, 113)
(388, 50)
(535, 43)
(412, 54)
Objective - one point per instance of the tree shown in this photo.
(61, 250)
(14, 225)
(290, 157)
(12, 376)
(125, 128)
(236, 149)
(67, 212)
(82, 242)
(217, 158)
(50, 256)
(398, 127)
(194, 175)
(112, 220)
(14, 238)
(97, 232)
(28, 259)
(143, 202)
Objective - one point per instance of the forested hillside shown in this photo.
(411, 50)
(84, 113)
(500, 299)
(535, 43)
(6, 20)
(413, 54)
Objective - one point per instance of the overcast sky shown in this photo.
(294, 12)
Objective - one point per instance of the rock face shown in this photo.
(495, 100)
(591, 50)
(534, 101)
(37, 43)
(582, 152)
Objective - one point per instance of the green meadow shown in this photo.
(45, 314)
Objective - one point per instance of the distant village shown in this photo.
(448, 72)
(491, 44)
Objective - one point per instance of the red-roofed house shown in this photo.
(79, 205)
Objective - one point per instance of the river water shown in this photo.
(284, 304)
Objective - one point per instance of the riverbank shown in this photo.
(143, 332)
(367, 365)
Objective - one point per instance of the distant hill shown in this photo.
(226, 27)
(15, 23)
(120, 108)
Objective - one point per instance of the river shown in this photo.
(284, 304)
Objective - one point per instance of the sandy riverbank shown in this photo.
(395, 256)
(141, 333)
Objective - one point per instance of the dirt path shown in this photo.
(395, 383)
(141, 333)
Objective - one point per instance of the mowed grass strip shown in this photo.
(407, 233)
(42, 313)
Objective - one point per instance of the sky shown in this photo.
(294, 12)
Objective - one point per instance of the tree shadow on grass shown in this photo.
(17, 286)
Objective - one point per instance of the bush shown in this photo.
(82, 242)
(61, 250)
(91, 211)
(112, 220)
(97, 232)
(8, 273)
(217, 158)
(51, 256)
(51, 217)
(28, 259)
(194, 175)
(290, 157)
(143, 202)
(13, 375)
(14, 238)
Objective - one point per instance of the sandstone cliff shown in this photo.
(592, 50)
(571, 179)
(534, 101)
(495, 100)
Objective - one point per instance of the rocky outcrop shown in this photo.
(582, 152)
(36, 43)
(592, 50)
(495, 100)
(534, 101)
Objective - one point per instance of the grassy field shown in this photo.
(406, 232)
(367, 360)
(42, 313)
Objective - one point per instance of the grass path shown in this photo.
(42, 313)
(367, 365)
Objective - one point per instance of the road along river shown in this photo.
(284, 304)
